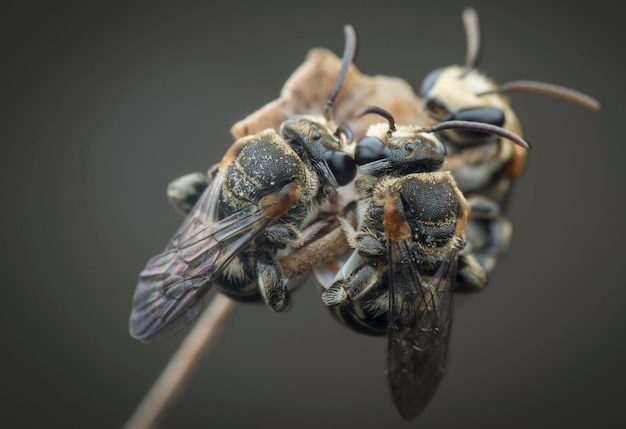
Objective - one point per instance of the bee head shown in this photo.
(390, 150)
(316, 145)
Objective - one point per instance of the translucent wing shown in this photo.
(171, 286)
(418, 328)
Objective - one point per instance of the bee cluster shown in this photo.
(417, 185)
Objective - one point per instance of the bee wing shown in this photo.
(171, 286)
(418, 328)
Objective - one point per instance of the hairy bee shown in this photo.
(258, 202)
(484, 166)
(408, 249)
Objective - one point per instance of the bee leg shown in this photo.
(488, 232)
(500, 232)
(184, 192)
(471, 276)
(356, 285)
(311, 231)
(283, 235)
(288, 234)
(280, 235)
(366, 244)
(272, 284)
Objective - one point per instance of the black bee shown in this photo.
(408, 248)
(260, 201)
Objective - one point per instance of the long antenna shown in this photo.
(348, 56)
(472, 35)
(548, 89)
(381, 112)
(477, 127)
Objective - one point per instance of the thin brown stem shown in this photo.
(330, 246)
(182, 364)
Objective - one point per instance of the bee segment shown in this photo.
(278, 203)
(396, 225)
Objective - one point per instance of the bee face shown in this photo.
(450, 89)
(453, 93)
(311, 132)
(402, 151)
(321, 147)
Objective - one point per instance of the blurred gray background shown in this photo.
(102, 105)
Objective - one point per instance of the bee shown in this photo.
(408, 248)
(257, 203)
(484, 166)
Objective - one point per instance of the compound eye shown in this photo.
(341, 165)
(486, 115)
(429, 81)
(370, 149)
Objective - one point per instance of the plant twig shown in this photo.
(182, 364)
(186, 359)
(330, 246)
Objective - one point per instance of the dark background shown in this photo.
(103, 105)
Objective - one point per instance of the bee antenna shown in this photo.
(548, 89)
(381, 112)
(347, 133)
(348, 56)
(477, 127)
(472, 34)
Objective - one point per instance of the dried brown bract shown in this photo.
(308, 88)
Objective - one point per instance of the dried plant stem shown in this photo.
(328, 247)
(186, 359)
(182, 364)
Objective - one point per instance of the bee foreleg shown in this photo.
(368, 244)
